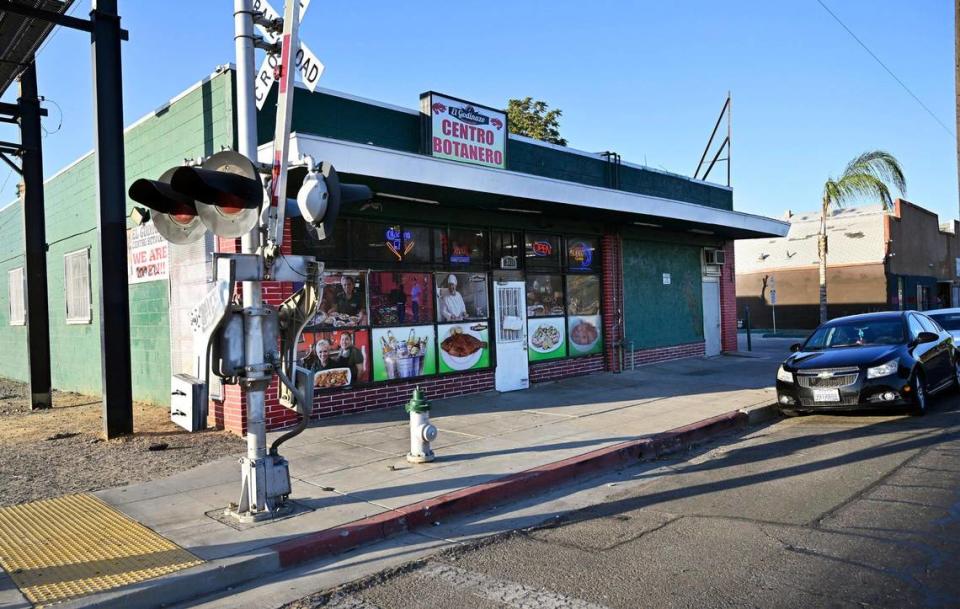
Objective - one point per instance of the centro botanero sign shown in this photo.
(463, 131)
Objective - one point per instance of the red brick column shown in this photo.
(728, 300)
(612, 308)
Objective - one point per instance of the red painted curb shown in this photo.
(423, 513)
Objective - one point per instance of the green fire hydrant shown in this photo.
(422, 432)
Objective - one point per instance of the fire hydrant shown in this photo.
(422, 432)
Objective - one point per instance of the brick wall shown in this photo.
(612, 285)
(575, 366)
(728, 301)
(662, 354)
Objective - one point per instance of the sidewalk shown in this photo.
(352, 484)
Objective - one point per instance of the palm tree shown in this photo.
(869, 175)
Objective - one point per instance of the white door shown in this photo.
(711, 317)
(511, 335)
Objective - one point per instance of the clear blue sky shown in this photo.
(643, 78)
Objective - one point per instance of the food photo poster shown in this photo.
(546, 339)
(342, 301)
(464, 346)
(406, 352)
(462, 296)
(584, 334)
(400, 298)
(340, 358)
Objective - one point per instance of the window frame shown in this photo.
(77, 320)
(22, 321)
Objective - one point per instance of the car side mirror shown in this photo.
(796, 347)
(927, 337)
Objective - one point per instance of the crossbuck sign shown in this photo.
(309, 66)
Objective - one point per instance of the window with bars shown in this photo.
(16, 282)
(76, 280)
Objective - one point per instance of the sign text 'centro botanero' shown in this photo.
(463, 131)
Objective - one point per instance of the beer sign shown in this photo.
(463, 131)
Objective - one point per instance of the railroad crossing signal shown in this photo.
(224, 195)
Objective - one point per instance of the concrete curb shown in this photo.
(510, 488)
(224, 573)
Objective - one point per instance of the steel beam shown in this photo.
(111, 220)
(35, 240)
(13, 110)
(52, 17)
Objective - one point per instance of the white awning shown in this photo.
(376, 162)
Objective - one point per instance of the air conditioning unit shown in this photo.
(714, 257)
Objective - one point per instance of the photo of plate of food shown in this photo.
(462, 347)
(334, 377)
(546, 337)
(583, 335)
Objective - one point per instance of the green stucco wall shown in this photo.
(658, 315)
(340, 118)
(196, 124)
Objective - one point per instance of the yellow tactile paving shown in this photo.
(74, 545)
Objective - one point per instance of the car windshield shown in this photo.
(856, 334)
(949, 321)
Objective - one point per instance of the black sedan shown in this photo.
(875, 360)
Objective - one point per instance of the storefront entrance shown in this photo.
(510, 313)
(711, 318)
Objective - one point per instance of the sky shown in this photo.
(643, 78)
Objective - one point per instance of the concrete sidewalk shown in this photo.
(353, 485)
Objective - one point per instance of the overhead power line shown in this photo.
(889, 71)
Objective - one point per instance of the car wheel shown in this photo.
(919, 397)
(956, 375)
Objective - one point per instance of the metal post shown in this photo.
(746, 322)
(253, 496)
(35, 240)
(111, 220)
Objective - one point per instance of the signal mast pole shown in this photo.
(253, 497)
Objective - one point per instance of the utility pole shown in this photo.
(956, 57)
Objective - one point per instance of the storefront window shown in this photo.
(581, 255)
(416, 244)
(343, 300)
(546, 338)
(377, 242)
(542, 251)
(461, 296)
(507, 252)
(340, 358)
(545, 295)
(401, 353)
(333, 249)
(400, 298)
(463, 247)
(583, 294)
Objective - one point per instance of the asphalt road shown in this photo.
(818, 511)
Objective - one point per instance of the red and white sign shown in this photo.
(147, 255)
(464, 131)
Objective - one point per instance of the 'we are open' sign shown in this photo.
(463, 131)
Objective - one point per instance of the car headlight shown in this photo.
(883, 369)
(783, 375)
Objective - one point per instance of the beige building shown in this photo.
(878, 259)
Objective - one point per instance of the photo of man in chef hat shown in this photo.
(452, 307)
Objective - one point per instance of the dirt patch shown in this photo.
(53, 452)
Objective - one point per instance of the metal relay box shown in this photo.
(188, 402)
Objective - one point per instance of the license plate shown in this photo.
(826, 395)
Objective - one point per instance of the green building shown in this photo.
(486, 261)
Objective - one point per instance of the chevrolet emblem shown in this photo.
(825, 375)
